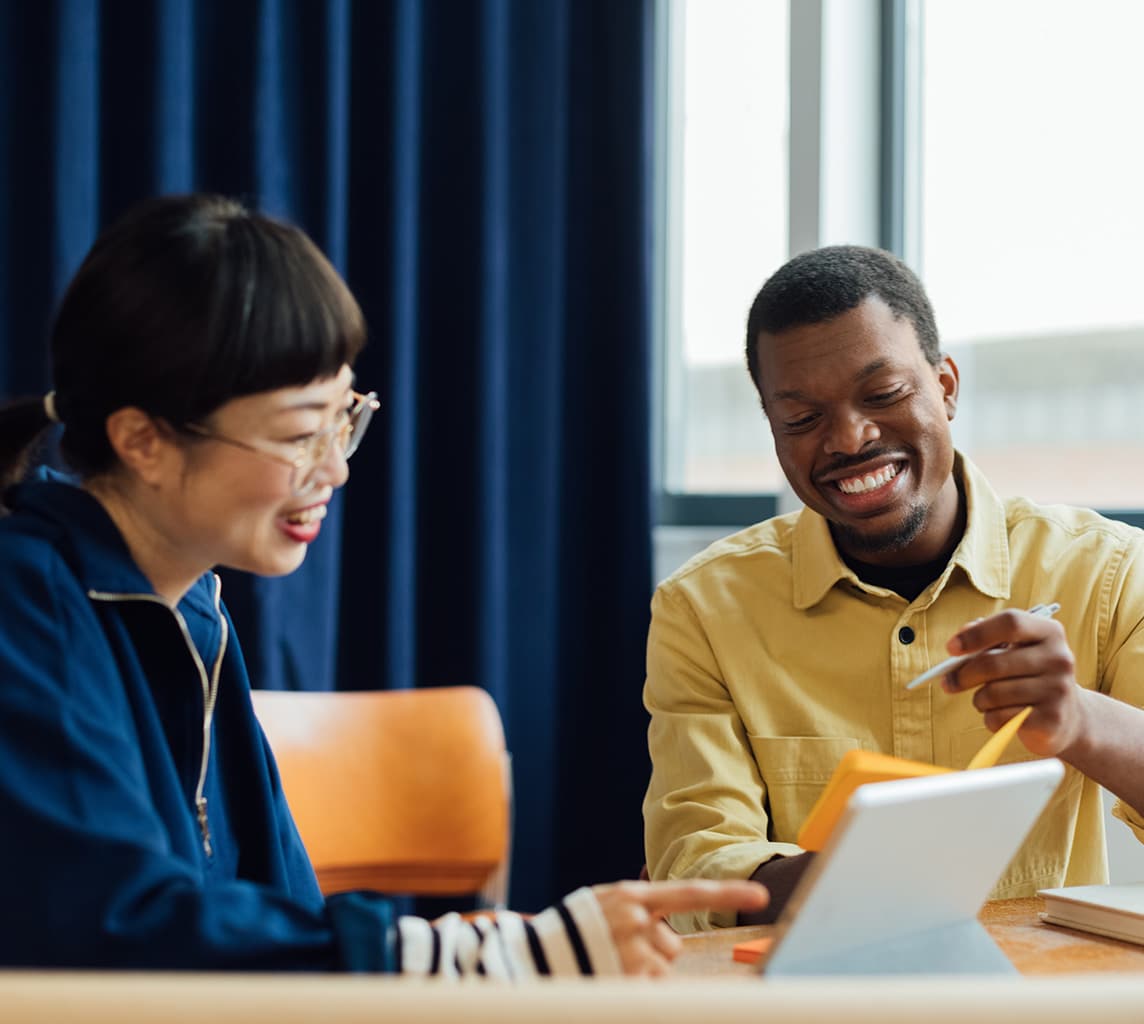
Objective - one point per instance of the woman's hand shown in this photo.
(635, 914)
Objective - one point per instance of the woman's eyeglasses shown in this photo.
(311, 451)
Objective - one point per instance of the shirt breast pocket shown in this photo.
(795, 770)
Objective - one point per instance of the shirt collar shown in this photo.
(983, 553)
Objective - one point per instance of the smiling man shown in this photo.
(782, 647)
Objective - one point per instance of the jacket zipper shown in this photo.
(209, 683)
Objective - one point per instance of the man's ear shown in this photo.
(142, 443)
(949, 377)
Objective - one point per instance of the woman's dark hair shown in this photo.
(819, 285)
(180, 306)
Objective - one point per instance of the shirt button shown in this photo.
(906, 635)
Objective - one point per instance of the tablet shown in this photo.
(897, 888)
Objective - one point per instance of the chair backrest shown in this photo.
(404, 791)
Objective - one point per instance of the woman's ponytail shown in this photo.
(21, 424)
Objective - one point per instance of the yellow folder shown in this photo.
(860, 767)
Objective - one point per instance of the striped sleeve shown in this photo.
(569, 939)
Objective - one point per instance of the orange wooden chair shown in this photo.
(403, 791)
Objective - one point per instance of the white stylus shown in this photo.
(1044, 611)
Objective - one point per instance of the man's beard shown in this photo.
(901, 536)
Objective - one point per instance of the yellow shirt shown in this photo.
(768, 659)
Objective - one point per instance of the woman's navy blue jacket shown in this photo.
(116, 848)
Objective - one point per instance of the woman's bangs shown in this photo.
(285, 318)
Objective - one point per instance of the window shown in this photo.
(992, 145)
(1031, 227)
(727, 187)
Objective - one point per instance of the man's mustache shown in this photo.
(850, 461)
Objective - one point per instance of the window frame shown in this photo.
(863, 52)
(823, 205)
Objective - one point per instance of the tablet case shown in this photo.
(897, 887)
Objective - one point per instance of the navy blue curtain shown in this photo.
(480, 172)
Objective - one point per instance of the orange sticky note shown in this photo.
(751, 952)
(859, 767)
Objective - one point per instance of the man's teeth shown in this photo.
(869, 482)
(307, 515)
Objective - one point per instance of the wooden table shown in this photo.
(712, 987)
(1034, 948)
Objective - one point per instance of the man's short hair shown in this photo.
(819, 285)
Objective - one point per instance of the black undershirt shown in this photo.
(906, 580)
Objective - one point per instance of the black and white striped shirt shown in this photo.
(569, 939)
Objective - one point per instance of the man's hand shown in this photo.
(1096, 734)
(1036, 668)
(635, 912)
(781, 876)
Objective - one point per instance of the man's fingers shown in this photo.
(1011, 626)
(1017, 692)
(995, 718)
(1029, 674)
(1011, 665)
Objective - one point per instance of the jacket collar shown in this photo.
(95, 548)
(983, 552)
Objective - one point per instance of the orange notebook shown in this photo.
(859, 767)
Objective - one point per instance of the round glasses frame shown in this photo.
(311, 451)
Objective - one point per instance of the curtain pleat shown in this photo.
(480, 172)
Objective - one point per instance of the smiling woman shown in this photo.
(189, 505)
(202, 359)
